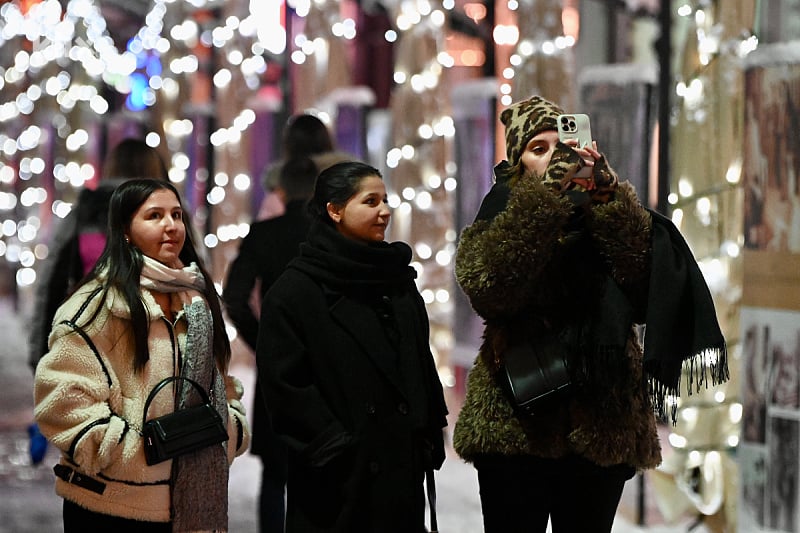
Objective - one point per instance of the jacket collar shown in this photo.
(118, 307)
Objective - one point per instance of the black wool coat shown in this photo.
(347, 370)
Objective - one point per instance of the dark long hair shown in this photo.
(337, 184)
(306, 135)
(122, 262)
(134, 158)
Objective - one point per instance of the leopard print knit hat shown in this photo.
(523, 120)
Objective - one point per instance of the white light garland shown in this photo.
(76, 34)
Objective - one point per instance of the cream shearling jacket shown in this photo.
(90, 405)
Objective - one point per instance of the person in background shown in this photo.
(263, 255)
(346, 369)
(148, 310)
(305, 135)
(559, 261)
(80, 238)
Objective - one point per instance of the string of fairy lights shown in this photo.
(692, 101)
(56, 60)
(67, 56)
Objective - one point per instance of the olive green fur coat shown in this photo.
(533, 263)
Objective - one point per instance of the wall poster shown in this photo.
(769, 453)
(770, 450)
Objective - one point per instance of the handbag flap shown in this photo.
(534, 373)
(186, 422)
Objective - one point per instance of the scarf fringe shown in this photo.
(708, 367)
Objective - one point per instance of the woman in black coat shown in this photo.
(346, 367)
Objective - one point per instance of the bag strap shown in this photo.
(431, 486)
(163, 383)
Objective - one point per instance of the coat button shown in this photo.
(402, 407)
(386, 312)
(371, 409)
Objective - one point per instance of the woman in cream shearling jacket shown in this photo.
(141, 316)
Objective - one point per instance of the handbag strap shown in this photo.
(430, 483)
(163, 383)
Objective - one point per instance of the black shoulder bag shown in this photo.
(182, 431)
(535, 372)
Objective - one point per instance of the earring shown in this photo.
(127, 240)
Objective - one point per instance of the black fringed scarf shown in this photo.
(681, 322)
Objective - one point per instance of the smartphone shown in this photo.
(575, 126)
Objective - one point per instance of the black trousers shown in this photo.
(273, 452)
(519, 493)
(80, 520)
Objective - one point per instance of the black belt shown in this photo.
(71, 475)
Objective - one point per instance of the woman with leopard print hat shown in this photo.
(556, 262)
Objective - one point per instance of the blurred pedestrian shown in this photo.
(263, 256)
(305, 135)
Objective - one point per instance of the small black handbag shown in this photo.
(535, 374)
(182, 431)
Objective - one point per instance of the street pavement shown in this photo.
(29, 505)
